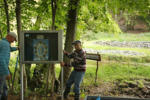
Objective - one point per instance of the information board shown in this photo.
(41, 46)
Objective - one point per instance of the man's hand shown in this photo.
(65, 52)
(8, 77)
(62, 64)
(18, 48)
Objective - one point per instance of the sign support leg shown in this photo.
(62, 81)
(22, 88)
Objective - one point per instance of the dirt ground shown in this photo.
(39, 98)
(138, 88)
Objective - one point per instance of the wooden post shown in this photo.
(96, 71)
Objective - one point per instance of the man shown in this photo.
(79, 64)
(5, 50)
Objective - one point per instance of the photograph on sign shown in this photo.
(41, 49)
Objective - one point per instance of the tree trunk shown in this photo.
(53, 78)
(7, 15)
(37, 23)
(70, 34)
(52, 74)
(54, 8)
(27, 71)
(18, 18)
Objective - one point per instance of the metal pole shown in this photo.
(62, 81)
(22, 88)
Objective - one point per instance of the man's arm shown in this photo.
(69, 55)
(8, 77)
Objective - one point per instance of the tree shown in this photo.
(7, 15)
(70, 33)
(54, 8)
(18, 18)
(52, 69)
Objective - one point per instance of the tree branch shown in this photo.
(54, 8)
(7, 15)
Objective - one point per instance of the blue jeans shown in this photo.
(3, 87)
(76, 79)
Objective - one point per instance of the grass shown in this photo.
(112, 71)
(120, 37)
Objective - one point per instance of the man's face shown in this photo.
(77, 46)
(10, 39)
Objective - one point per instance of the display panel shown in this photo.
(40, 49)
(41, 46)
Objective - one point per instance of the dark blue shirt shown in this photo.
(5, 50)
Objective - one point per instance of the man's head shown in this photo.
(11, 37)
(77, 45)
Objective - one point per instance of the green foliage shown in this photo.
(61, 13)
(93, 15)
(140, 84)
(3, 26)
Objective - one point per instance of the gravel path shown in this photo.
(130, 44)
(133, 44)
